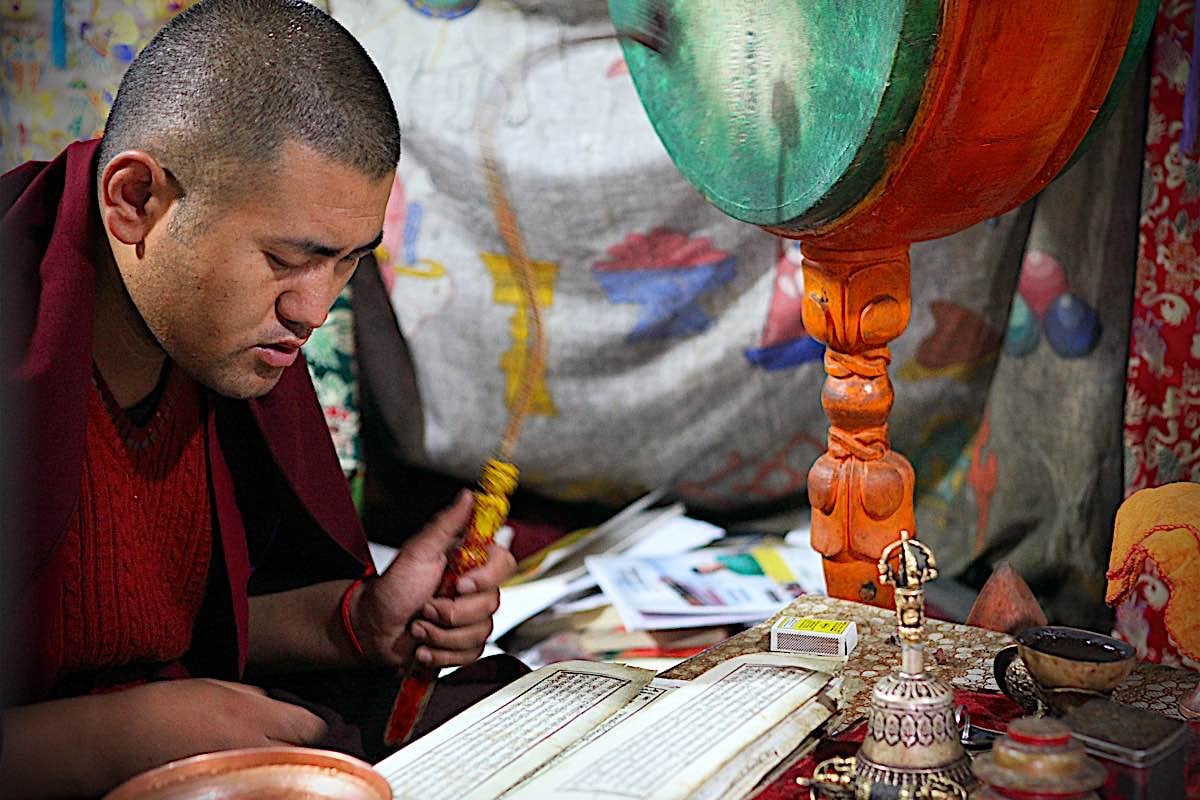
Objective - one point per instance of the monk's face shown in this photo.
(232, 290)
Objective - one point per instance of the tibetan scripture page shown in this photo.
(700, 739)
(491, 746)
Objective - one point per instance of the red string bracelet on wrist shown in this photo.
(346, 623)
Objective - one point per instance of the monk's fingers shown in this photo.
(448, 658)
(500, 567)
(432, 542)
(442, 646)
(462, 611)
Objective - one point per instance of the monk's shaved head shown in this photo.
(218, 91)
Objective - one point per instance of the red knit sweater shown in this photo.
(138, 547)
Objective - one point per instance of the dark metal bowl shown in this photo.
(1061, 657)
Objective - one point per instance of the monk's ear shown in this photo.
(135, 193)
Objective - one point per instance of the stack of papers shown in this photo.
(710, 586)
(649, 583)
(558, 576)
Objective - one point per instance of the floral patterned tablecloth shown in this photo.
(958, 654)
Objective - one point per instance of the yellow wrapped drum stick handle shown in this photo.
(497, 483)
(498, 479)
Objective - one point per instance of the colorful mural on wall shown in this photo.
(62, 61)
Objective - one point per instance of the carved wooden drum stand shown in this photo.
(859, 127)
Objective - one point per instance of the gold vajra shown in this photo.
(914, 566)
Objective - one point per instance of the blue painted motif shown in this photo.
(786, 354)
(58, 34)
(1022, 335)
(443, 9)
(412, 227)
(1072, 327)
(669, 297)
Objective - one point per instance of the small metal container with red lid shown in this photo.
(1038, 759)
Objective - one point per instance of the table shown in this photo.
(961, 655)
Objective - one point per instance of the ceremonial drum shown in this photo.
(859, 127)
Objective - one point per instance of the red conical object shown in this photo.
(1006, 603)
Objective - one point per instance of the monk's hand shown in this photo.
(402, 619)
(108, 738)
(208, 714)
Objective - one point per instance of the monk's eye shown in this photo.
(278, 263)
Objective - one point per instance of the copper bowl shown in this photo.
(262, 773)
(1071, 658)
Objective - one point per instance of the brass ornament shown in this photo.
(912, 737)
(913, 748)
(835, 779)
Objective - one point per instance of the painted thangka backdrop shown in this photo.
(63, 61)
(677, 353)
(676, 347)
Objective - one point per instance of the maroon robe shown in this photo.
(282, 512)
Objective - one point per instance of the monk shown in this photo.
(186, 521)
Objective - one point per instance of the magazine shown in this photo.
(711, 586)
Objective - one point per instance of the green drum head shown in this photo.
(782, 112)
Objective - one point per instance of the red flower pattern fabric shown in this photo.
(1162, 409)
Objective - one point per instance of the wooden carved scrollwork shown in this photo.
(861, 491)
